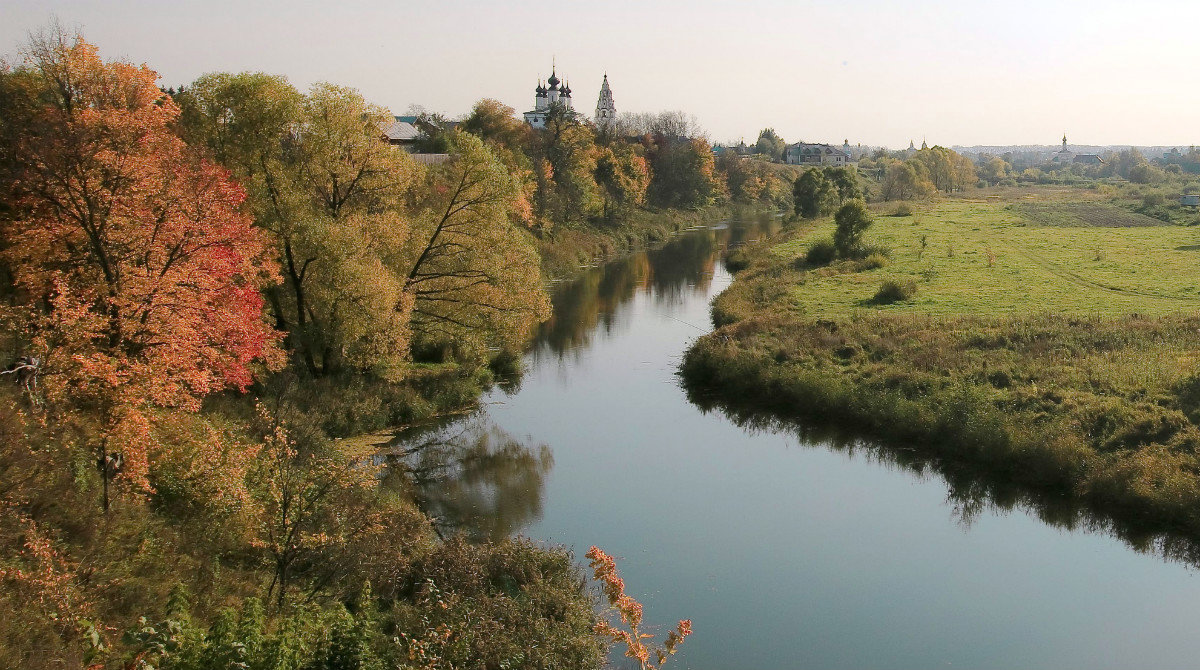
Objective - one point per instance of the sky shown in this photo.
(871, 72)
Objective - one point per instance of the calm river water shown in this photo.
(789, 548)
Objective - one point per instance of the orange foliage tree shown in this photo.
(136, 277)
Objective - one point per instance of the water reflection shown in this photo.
(471, 476)
(971, 491)
(587, 306)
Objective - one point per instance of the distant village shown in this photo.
(553, 92)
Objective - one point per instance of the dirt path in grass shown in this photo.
(1079, 280)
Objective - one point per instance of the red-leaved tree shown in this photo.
(136, 277)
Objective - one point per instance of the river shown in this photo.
(788, 547)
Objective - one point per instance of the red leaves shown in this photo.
(149, 270)
(604, 570)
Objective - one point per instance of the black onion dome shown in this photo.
(566, 89)
(553, 80)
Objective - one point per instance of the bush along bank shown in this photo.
(1097, 409)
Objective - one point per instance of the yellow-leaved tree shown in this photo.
(474, 277)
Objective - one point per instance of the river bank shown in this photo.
(1093, 400)
(571, 248)
(788, 545)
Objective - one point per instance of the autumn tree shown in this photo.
(948, 170)
(138, 276)
(743, 180)
(333, 197)
(495, 123)
(994, 170)
(473, 277)
(684, 175)
(565, 155)
(623, 176)
(906, 180)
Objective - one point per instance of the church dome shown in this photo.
(553, 80)
(566, 89)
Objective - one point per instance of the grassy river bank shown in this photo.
(1051, 341)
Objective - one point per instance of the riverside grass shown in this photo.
(1061, 357)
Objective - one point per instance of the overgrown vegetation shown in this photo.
(202, 294)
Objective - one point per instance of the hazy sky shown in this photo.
(967, 72)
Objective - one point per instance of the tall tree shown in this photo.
(138, 274)
(473, 277)
(623, 176)
(906, 180)
(333, 197)
(814, 194)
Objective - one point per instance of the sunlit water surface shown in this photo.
(787, 552)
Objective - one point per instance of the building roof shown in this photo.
(813, 149)
(401, 130)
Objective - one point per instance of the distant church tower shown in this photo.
(546, 95)
(606, 111)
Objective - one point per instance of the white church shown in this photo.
(550, 94)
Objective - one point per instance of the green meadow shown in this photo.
(1052, 340)
(1013, 255)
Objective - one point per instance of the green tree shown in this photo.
(770, 144)
(473, 277)
(852, 220)
(684, 175)
(814, 194)
(845, 180)
(332, 195)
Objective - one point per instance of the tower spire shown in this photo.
(606, 110)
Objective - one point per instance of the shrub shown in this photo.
(868, 250)
(894, 291)
(902, 209)
(737, 260)
(821, 252)
(873, 262)
(853, 219)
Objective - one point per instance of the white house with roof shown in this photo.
(804, 153)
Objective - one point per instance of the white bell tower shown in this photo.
(606, 111)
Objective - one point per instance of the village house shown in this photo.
(803, 153)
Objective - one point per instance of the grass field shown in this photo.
(1054, 339)
(996, 256)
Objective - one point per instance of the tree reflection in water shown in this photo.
(470, 476)
(588, 304)
(970, 490)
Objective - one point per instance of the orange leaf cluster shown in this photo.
(141, 274)
(604, 571)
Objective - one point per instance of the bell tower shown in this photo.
(606, 110)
